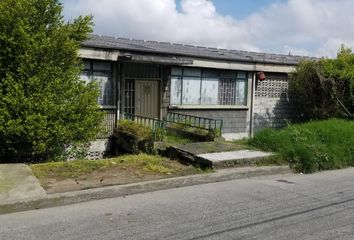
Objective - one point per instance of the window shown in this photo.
(100, 72)
(197, 86)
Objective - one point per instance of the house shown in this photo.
(151, 79)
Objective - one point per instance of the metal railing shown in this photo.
(209, 124)
(157, 126)
(109, 122)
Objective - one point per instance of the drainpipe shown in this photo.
(253, 90)
(118, 91)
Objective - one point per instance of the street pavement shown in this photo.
(317, 206)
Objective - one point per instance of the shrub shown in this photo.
(44, 106)
(132, 137)
(325, 88)
(136, 129)
(313, 146)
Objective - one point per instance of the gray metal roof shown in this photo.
(166, 48)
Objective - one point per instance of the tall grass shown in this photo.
(313, 146)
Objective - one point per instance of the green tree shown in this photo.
(43, 104)
(324, 88)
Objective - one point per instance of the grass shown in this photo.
(174, 139)
(143, 163)
(311, 147)
(136, 129)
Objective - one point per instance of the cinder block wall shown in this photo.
(271, 103)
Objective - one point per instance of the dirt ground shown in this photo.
(112, 176)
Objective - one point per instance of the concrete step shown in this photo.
(232, 159)
(222, 159)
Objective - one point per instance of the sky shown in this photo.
(299, 27)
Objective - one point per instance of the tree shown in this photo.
(44, 106)
(324, 88)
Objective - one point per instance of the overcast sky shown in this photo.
(303, 27)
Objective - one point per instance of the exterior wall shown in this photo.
(271, 103)
(235, 121)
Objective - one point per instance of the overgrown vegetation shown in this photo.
(132, 137)
(173, 139)
(192, 133)
(136, 129)
(142, 163)
(325, 88)
(44, 106)
(312, 146)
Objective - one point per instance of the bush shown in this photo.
(313, 146)
(325, 88)
(44, 106)
(132, 137)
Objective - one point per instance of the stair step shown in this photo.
(232, 159)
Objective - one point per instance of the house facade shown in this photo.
(150, 79)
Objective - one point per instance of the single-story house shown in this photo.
(151, 79)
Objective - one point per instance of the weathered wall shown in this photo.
(271, 104)
(235, 121)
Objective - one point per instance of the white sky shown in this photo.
(303, 27)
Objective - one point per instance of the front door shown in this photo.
(147, 98)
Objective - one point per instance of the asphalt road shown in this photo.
(318, 206)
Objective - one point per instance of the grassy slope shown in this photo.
(313, 146)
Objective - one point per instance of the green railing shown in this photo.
(157, 126)
(209, 124)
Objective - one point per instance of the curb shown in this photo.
(68, 198)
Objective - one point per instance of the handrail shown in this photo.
(209, 124)
(157, 126)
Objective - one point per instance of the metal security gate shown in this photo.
(147, 98)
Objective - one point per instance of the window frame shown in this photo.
(210, 106)
(90, 72)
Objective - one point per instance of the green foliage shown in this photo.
(313, 146)
(193, 133)
(132, 137)
(44, 106)
(136, 129)
(174, 139)
(325, 88)
(159, 134)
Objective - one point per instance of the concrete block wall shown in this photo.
(271, 104)
(271, 112)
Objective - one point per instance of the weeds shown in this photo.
(313, 146)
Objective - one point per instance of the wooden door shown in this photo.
(147, 98)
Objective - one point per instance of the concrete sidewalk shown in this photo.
(17, 183)
(42, 200)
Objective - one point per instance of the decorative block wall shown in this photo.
(271, 104)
